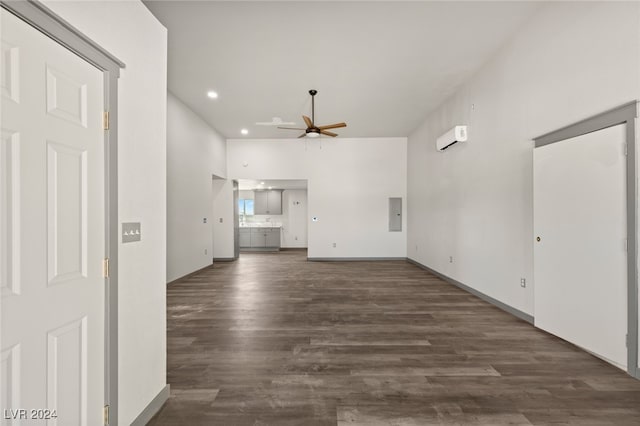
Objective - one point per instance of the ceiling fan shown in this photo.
(312, 130)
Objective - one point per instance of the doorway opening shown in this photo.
(272, 215)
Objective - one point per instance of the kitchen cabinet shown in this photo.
(260, 237)
(260, 202)
(245, 237)
(268, 202)
(274, 202)
(272, 237)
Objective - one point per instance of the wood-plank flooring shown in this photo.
(275, 340)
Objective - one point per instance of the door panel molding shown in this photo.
(67, 167)
(66, 386)
(46, 21)
(11, 379)
(10, 203)
(10, 86)
(625, 114)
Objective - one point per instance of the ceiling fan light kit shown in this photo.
(312, 130)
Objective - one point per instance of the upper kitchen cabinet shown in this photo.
(268, 202)
(260, 202)
(274, 199)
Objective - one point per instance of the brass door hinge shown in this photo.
(105, 120)
(105, 415)
(105, 267)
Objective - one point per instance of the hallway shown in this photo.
(274, 339)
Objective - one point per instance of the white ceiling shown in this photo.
(379, 66)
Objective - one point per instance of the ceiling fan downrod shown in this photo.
(313, 93)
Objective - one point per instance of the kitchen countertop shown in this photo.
(260, 225)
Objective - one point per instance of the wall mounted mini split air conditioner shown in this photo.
(453, 136)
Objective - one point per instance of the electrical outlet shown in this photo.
(523, 282)
(205, 251)
(220, 220)
(416, 247)
(204, 220)
(450, 259)
(334, 245)
(296, 238)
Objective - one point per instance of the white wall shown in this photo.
(223, 216)
(195, 152)
(246, 194)
(349, 183)
(130, 32)
(294, 222)
(474, 202)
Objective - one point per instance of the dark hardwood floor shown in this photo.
(275, 340)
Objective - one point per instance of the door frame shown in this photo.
(236, 221)
(46, 21)
(625, 114)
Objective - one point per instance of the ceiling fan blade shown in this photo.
(332, 126)
(324, 132)
(308, 121)
(302, 135)
(291, 128)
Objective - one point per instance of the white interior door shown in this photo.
(580, 262)
(52, 238)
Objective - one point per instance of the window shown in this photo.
(245, 207)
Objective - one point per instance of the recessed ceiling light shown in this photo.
(271, 187)
(261, 183)
(244, 131)
(212, 94)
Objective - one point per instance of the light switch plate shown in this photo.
(131, 232)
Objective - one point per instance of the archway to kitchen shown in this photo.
(272, 215)
(267, 215)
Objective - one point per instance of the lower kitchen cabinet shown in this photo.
(260, 238)
(272, 237)
(245, 237)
